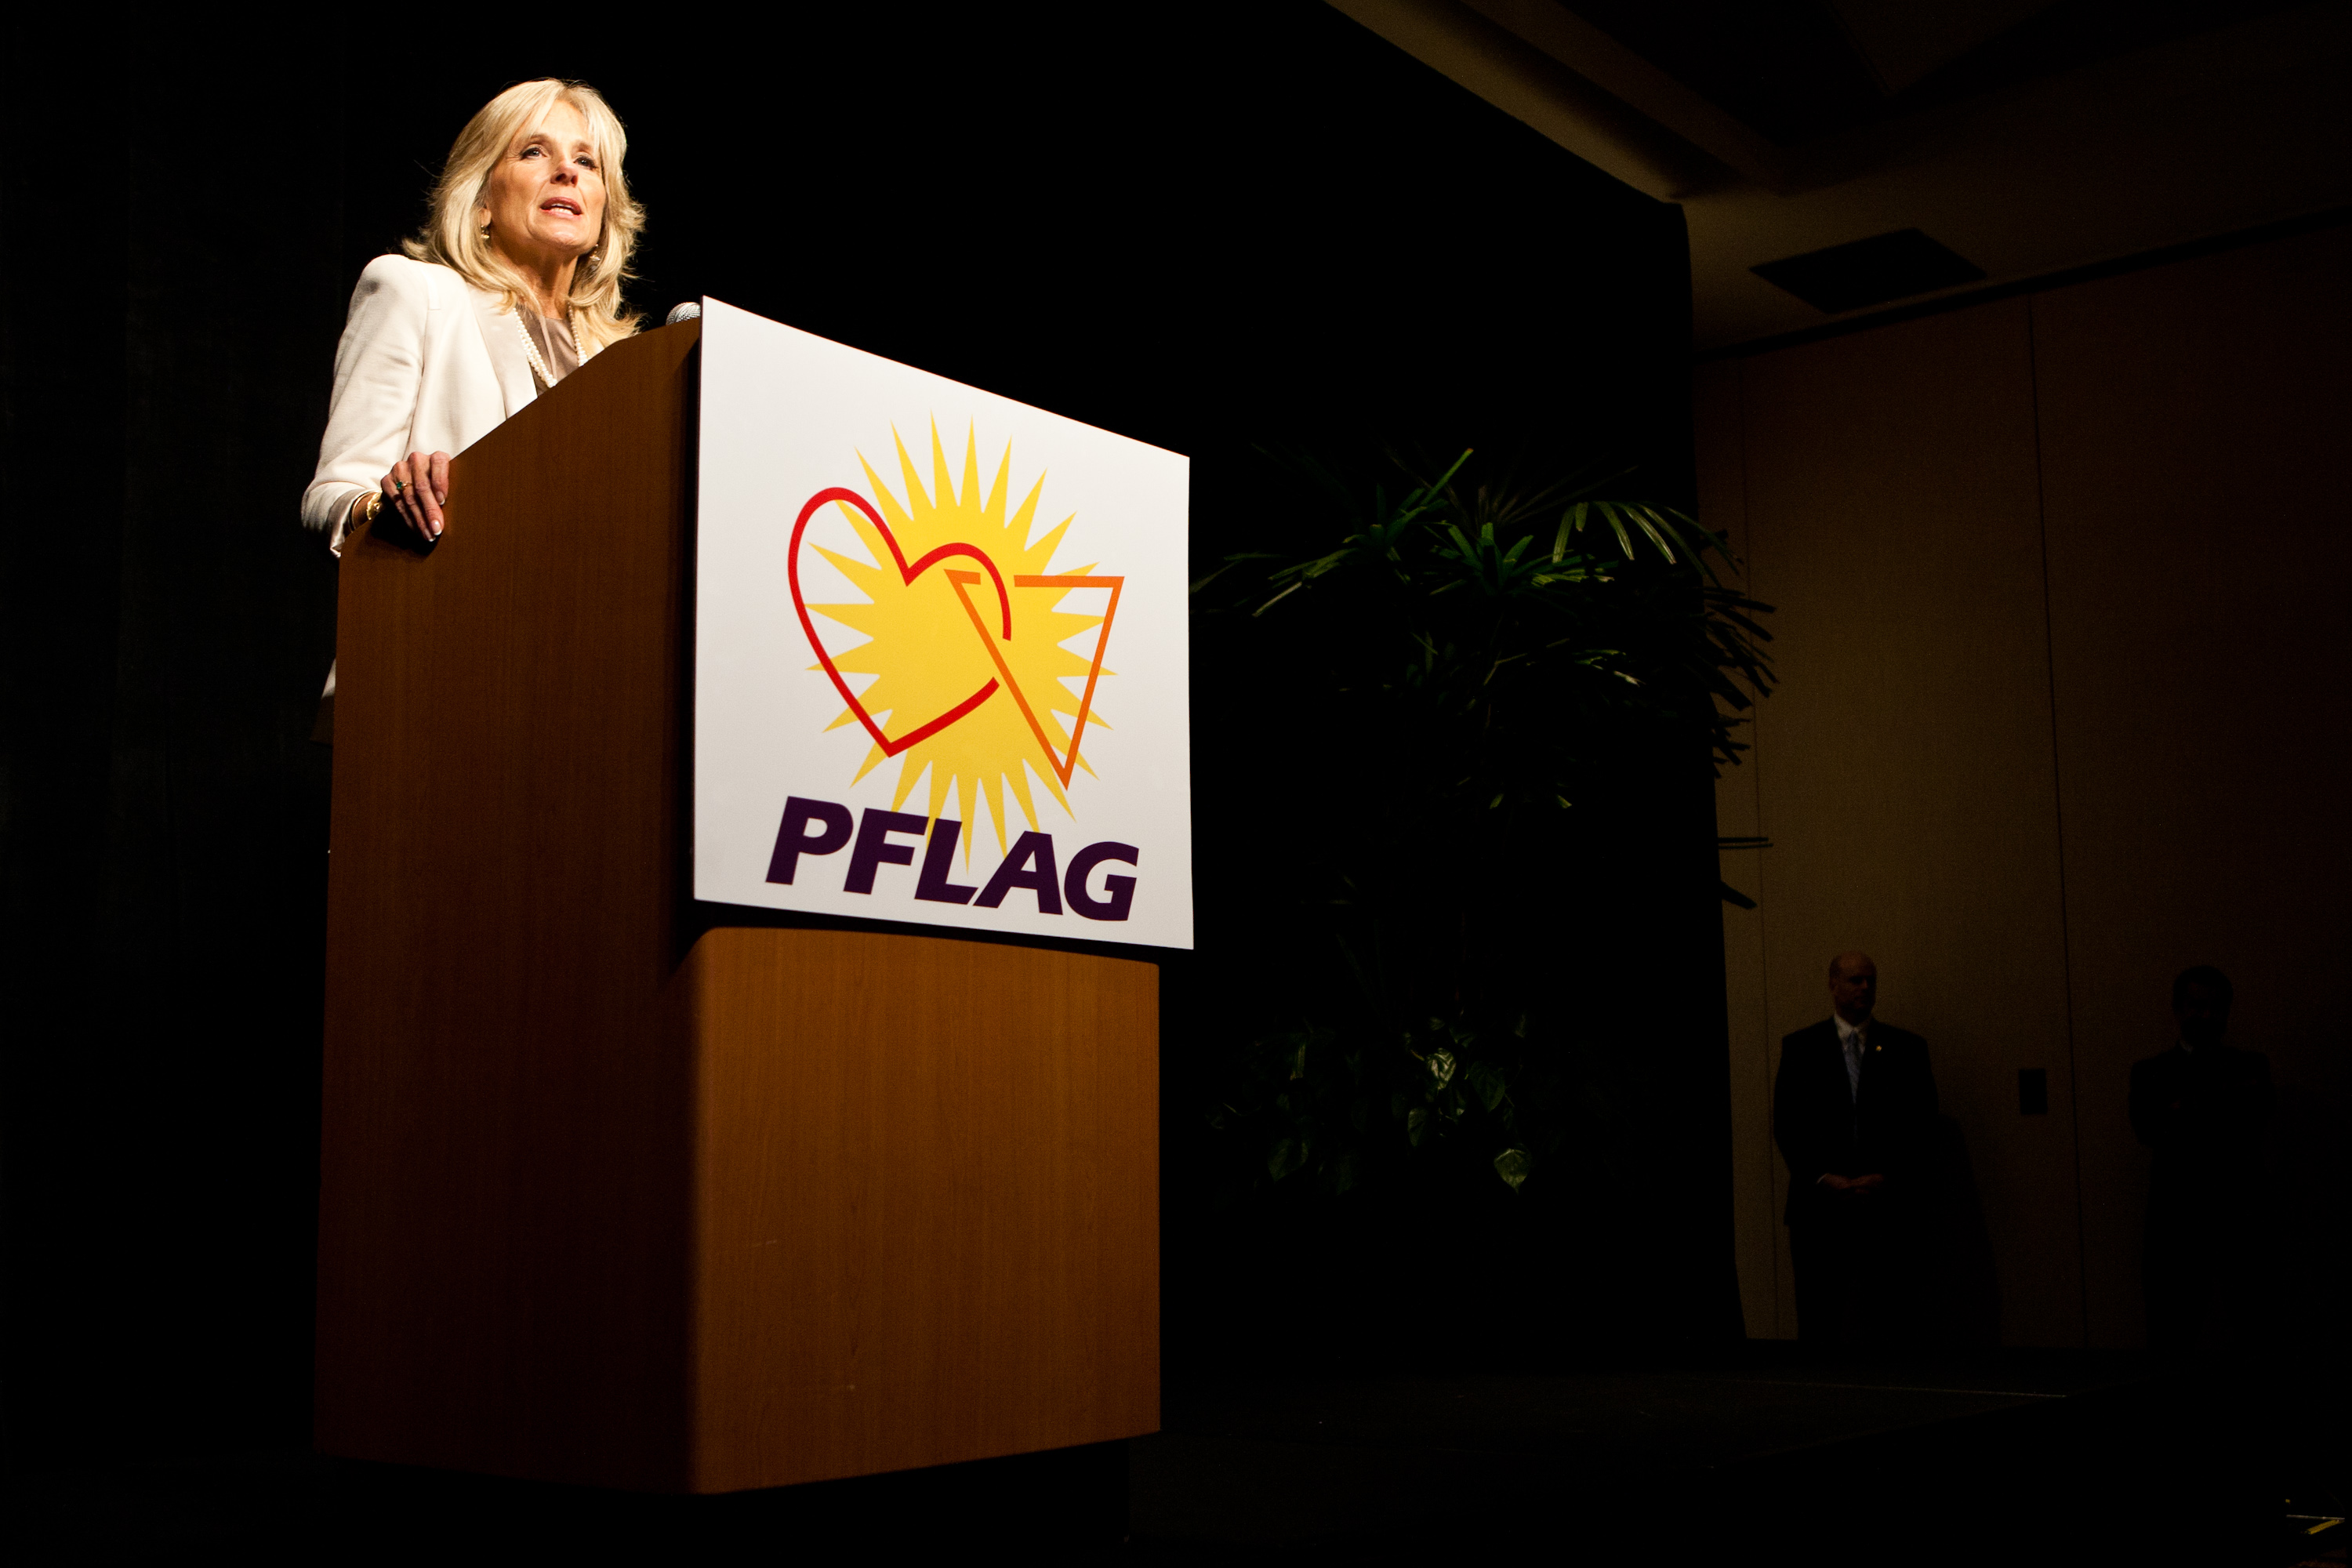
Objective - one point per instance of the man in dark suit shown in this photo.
(1854, 1111)
(2201, 1108)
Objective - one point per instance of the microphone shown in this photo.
(684, 312)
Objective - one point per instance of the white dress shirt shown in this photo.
(1855, 1038)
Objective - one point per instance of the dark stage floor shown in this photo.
(2031, 1457)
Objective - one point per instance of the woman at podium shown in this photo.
(514, 281)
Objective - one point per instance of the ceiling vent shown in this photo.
(1870, 271)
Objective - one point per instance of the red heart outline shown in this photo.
(906, 575)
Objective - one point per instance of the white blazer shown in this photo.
(427, 363)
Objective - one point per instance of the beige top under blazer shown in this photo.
(427, 363)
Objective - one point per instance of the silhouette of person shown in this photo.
(2201, 1108)
(1854, 1111)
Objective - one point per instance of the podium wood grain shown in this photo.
(601, 1205)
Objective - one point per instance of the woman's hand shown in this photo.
(418, 487)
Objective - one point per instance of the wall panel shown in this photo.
(1905, 769)
(2194, 419)
(1767, 1301)
(2055, 637)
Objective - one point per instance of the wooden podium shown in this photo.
(609, 1197)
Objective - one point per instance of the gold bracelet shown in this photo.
(366, 508)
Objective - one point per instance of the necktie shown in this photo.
(1853, 1064)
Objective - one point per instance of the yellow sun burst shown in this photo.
(927, 653)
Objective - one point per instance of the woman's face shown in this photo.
(546, 197)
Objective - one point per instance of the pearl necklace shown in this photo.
(531, 344)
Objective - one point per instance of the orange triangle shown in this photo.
(1064, 767)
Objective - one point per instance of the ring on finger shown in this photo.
(399, 487)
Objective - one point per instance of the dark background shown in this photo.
(1207, 229)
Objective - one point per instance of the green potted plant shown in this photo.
(1471, 665)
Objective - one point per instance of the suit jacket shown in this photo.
(1823, 1126)
(2203, 1114)
(427, 363)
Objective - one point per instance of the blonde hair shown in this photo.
(452, 238)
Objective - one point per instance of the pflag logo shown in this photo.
(978, 670)
(940, 670)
